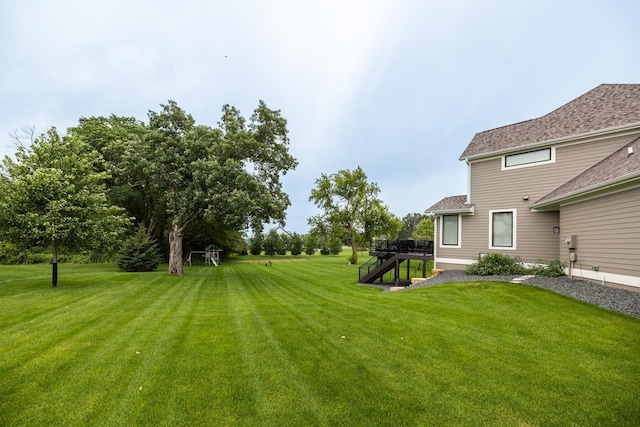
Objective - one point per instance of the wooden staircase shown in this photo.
(388, 256)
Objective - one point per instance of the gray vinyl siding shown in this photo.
(495, 189)
(608, 231)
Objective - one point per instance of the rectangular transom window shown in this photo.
(502, 228)
(450, 230)
(530, 158)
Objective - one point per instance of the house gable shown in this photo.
(522, 176)
(607, 107)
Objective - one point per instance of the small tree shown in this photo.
(256, 244)
(272, 243)
(51, 195)
(139, 253)
(310, 244)
(285, 243)
(335, 247)
(296, 244)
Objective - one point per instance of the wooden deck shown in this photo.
(387, 255)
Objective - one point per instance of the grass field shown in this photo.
(299, 344)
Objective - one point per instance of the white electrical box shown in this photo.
(573, 257)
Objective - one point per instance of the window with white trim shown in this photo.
(450, 231)
(529, 158)
(502, 229)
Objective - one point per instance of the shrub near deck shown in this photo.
(301, 344)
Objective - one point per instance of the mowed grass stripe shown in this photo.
(61, 317)
(301, 344)
(277, 393)
(329, 362)
(466, 340)
(68, 313)
(157, 352)
(107, 342)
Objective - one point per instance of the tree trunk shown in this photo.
(354, 245)
(54, 264)
(175, 251)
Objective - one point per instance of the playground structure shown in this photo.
(210, 255)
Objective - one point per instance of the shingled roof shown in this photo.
(622, 166)
(605, 107)
(451, 204)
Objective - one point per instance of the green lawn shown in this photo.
(299, 344)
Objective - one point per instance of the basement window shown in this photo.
(529, 158)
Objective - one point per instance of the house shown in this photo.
(564, 186)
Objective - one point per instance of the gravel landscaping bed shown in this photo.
(615, 299)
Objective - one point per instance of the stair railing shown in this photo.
(365, 268)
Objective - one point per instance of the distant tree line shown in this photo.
(275, 243)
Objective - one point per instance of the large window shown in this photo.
(502, 229)
(530, 158)
(450, 231)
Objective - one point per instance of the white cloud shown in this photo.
(398, 86)
(321, 53)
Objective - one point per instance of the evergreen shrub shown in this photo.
(139, 253)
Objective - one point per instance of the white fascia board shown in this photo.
(460, 211)
(630, 129)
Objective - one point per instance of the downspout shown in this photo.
(468, 181)
(435, 241)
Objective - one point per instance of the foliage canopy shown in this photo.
(350, 208)
(172, 173)
(53, 194)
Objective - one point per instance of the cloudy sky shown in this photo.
(398, 87)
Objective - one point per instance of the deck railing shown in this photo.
(405, 246)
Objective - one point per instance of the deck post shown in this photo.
(397, 271)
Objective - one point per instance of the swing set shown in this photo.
(210, 255)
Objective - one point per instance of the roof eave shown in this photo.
(586, 192)
(465, 210)
(555, 141)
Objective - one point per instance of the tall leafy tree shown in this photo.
(424, 230)
(121, 143)
(409, 225)
(379, 222)
(54, 194)
(172, 172)
(229, 174)
(350, 207)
